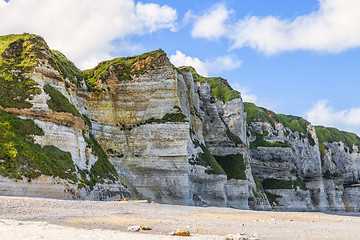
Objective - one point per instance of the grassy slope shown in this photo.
(65, 67)
(257, 114)
(18, 55)
(20, 156)
(102, 169)
(220, 88)
(124, 68)
(233, 166)
(271, 183)
(331, 135)
(58, 102)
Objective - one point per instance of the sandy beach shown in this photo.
(38, 218)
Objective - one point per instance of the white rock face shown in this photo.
(235, 118)
(158, 159)
(325, 190)
(66, 139)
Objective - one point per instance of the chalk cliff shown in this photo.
(139, 127)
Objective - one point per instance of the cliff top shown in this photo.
(21, 54)
(330, 135)
(122, 67)
(220, 88)
(259, 114)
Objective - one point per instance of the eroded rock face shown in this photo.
(329, 179)
(139, 127)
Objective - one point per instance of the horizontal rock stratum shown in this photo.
(139, 127)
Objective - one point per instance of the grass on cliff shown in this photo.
(329, 175)
(330, 135)
(101, 170)
(261, 142)
(258, 114)
(206, 159)
(21, 156)
(18, 55)
(271, 183)
(168, 117)
(233, 166)
(66, 68)
(123, 68)
(273, 198)
(220, 88)
(58, 102)
(259, 186)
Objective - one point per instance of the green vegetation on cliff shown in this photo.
(18, 56)
(273, 199)
(65, 67)
(206, 159)
(233, 166)
(122, 68)
(260, 142)
(21, 156)
(58, 102)
(271, 183)
(330, 135)
(258, 114)
(220, 88)
(329, 175)
(101, 170)
(168, 117)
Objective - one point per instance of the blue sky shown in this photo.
(296, 57)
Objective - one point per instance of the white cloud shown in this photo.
(245, 94)
(180, 59)
(83, 30)
(332, 28)
(323, 114)
(212, 24)
(207, 67)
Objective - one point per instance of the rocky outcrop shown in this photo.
(302, 167)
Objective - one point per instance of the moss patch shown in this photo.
(19, 54)
(329, 175)
(330, 135)
(271, 183)
(273, 198)
(257, 114)
(208, 160)
(259, 186)
(65, 67)
(168, 117)
(123, 68)
(220, 88)
(260, 142)
(102, 169)
(20, 156)
(58, 102)
(233, 166)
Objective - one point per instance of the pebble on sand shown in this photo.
(181, 233)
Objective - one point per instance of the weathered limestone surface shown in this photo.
(43, 186)
(158, 159)
(303, 161)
